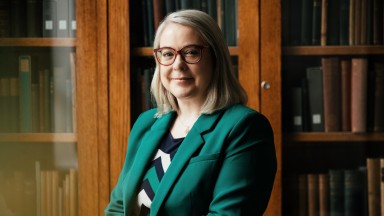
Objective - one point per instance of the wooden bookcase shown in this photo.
(308, 152)
(91, 108)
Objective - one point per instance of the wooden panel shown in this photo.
(86, 99)
(249, 50)
(271, 98)
(334, 50)
(119, 84)
(102, 105)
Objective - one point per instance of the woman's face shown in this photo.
(184, 80)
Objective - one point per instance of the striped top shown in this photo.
(156, 171)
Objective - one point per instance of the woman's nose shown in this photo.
(179, 63)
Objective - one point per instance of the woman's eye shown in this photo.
(191, 52)
(167, 54)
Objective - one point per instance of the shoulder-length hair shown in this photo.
(224, 89)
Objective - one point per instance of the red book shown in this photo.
(359, 88)
(331, 94)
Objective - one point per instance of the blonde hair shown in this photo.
(224, 89)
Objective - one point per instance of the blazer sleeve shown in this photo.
(245, 180)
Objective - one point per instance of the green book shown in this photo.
(25, 71)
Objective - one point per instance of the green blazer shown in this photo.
(226, 165)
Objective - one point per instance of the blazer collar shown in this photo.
(192, 142)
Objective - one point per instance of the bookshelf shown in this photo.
(308, 151)
(77, 151)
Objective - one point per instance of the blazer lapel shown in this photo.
(148, 146)
(192, 142)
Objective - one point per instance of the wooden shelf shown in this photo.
(37, 42)
(148, 51)
(334, 137)
(333, 50)
(38, 137)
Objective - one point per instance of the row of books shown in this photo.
(153, 11)
(38, 100)
(37, 18)
(338, 192)
(340, 95)
(49, 192)
(333, 22)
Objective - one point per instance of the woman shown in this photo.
(201, 151)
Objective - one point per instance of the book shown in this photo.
(62, 19)
(72, 192)
(331, 93)
(14, 104)
(378, 122)
(59, 99)
(5, 17)
(72, 25)
(44, 95)
(336, 192)
(353, 192)
(351, 31)
(49, 18)
(38, 187)
(316, 22)
(333, 22)
(315, 92)
(25, 73)
(323, 194)
(382, 186)
(303, 194)
(313, 194)
(373, 180)
(306, 22)
(345, 95)
(357, 22)
(295, 22)
(359, 77)
(324, 22)
(230, 22)
(5, 108)
(18, 18)
(72, 109)
(297, 109)
(158, 12)
(344, 22)
(369, 23)
(363, 22)
(377, 22)
(34, 18)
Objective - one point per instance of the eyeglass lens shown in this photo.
(190, 54)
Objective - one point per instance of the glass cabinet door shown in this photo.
(38, 141)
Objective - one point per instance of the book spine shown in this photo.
(351, 32)
(158, 12)
(297, 112)
(14, 104)
(323, 194)
(353, 193)
(359, 79)
(316, 22)
(324, 22)
(344, 22)
(331, 94)
(72, 25)
(34, 8)
(313, 194)
(25, 93)
(62, 20)
(336, 192)
(49, 18)
(373, 180)
(378, 122)
(346, 94)
(306, 21)
(315, 92)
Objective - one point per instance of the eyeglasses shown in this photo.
(190, 54)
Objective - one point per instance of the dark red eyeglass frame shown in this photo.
(201, 47)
